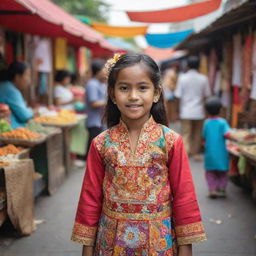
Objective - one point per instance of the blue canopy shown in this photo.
(167, 40)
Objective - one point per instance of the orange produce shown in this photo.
(10, 149)
(63, 117)
(21, 133)
(3, 163)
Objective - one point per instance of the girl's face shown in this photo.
(134, 93)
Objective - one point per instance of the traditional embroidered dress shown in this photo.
(140, 203)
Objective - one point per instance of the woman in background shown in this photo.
(13, 81)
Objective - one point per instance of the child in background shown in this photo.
(216, 161)
(137, 196)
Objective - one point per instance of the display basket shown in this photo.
(23, 142)
(67, 125)
(248, 154)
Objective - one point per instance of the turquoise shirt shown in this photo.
(12, 97)
(216, 154)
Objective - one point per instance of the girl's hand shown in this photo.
(87, 251)
(185, 250)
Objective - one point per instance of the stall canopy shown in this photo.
(176, 14)
(44, 18)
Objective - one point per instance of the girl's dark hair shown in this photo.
(61, 75)
(15, 68)
(213, 105)
(112, 113)
(97, 65)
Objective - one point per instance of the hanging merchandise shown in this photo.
(19, 49)
(2, 49)
(253, 89)
(43, 55)
(247, 68)
(71, 59)
(114, 31)
(60, 53)
(217, 83)
(203, 69)
(82, 63)
(167, 40)
(212, 68)
(178, 14)
(29, 48)
(43, 83)
(236, 107)
(237, 61)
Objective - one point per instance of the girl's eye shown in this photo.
(143, 88)
(123, 88)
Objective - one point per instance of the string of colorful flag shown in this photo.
(163, 41)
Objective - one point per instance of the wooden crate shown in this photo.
(55, 163)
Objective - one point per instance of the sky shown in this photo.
(118, 17)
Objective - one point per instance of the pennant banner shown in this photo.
(167, 40)
(176, 14)
(114, 31)
(159, 54)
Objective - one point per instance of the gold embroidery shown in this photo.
(84, 234)
(166, 212)
(190, 233)
(83, 240)
(191, 239)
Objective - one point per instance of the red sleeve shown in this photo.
(90, 202)
(186, 213)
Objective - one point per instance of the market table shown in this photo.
(48, 160)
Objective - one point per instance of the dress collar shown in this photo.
(148, 125)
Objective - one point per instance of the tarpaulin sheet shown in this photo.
(175, 14)
(119, 31)
(167, 40)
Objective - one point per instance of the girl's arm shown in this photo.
(185, 250)
(87, 251)
(186, 214)
(91, 199)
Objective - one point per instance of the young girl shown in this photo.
(137, 196)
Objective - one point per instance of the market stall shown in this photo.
(242, 148)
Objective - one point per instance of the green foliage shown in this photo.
(96, 10)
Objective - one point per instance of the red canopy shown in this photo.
(44, 18)
(176, 14)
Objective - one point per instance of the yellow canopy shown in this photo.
(114, 31)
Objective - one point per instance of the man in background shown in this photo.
(192, 90)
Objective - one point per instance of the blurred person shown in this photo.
(63, 97)
(216, 160)
(14, 80)
(169, 81)
(95, 100)
(192, 90)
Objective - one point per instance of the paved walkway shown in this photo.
(234, 236)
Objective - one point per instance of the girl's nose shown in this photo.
(133, 95)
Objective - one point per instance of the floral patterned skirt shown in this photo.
(135, 238)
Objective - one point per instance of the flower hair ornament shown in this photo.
(111, 63)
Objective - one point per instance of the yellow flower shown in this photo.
(118, 251)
